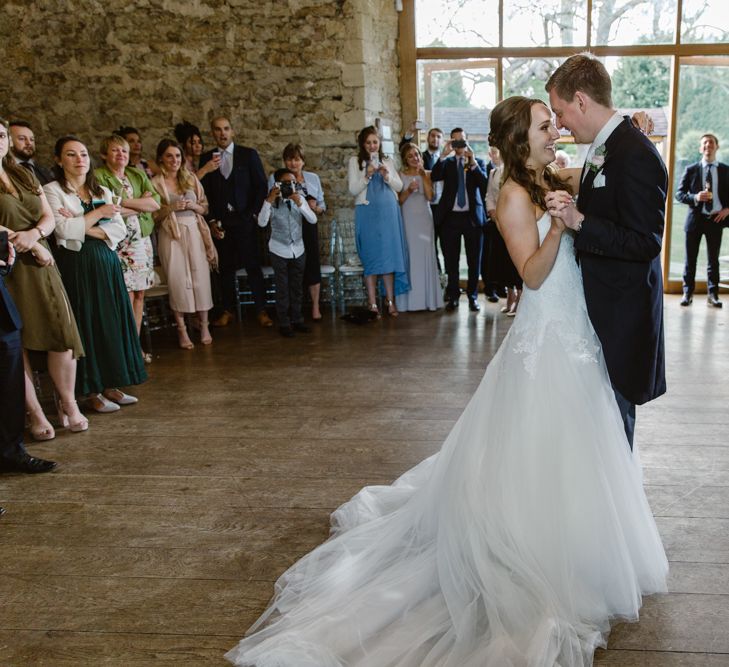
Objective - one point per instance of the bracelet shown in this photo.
(40, 231)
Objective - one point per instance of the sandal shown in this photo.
(392, 308)
(183, 339)
(79, 425)
(374, 309)
(40, 428)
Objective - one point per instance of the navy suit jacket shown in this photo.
(9, 316)
(476, 181)
(692, 182)
(249, 185)
(619, 249)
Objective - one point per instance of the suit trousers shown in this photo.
(436, 237)
(12, 395)
(453, 227)
(712, 231)
(490, 286)
(289, 274)
(239, 249)
(627, 412)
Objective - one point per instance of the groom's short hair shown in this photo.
(585, 73)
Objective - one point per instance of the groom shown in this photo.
(618, 223)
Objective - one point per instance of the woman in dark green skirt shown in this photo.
(88, 229)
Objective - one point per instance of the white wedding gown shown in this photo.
(514, 546)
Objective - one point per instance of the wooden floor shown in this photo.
(158, 539)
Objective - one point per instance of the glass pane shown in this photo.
(705, 21)
(633, 21)
(456, 23)
(545, 22)
(703, 97)
(458, 93)
(527, 76)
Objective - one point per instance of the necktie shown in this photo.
(709, 185)
(461, 196)
(226, 165)
(28, 166)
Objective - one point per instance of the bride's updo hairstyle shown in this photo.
(510, 123)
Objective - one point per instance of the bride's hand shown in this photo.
(558, 224)
(558, 200)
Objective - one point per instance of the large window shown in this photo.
(668, 57)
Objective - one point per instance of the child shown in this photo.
(287, 209)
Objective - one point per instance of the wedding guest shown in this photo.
(287, 210)
(705, 190)
(138, 200)
(23, 150)
(501, 268)
(131, 134)
(415, 198)
(89, 227)
(236, 188)
(460, 214)
(37, 289)
(190, 138)
(491, 288)
(561, 159)
(379, 235)
(309, 185)
(13, 456)
(186, 248)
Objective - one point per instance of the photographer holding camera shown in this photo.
(286, 209)
(460, 214)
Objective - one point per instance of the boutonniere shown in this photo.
(598, 159)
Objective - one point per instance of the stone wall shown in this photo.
(313, 71)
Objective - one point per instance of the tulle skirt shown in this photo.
(514, 546)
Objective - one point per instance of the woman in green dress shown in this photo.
(36, 287)
(89, 227)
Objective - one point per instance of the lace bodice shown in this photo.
(557, 308)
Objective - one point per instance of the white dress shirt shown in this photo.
(602, 136)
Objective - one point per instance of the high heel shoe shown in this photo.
(391, 308)
(205, 337)
(79, 425)
(183, 339)
(41, 430)
(374, 309)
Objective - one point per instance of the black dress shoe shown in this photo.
(301, 327)
(492, 298)
(27, 463)
(286, 332)
(2, 511)
(451, 305)
(687, 299)
(713, 301)
(473, 305)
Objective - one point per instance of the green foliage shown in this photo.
(448, 90)
(641, 83)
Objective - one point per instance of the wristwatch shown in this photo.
(40, 231)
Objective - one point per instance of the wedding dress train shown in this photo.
(514, 546)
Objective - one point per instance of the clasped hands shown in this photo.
(561, 206)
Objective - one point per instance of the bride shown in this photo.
(517, 543)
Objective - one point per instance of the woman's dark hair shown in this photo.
(184, 130)
(363, 155)
(185, 179)
(91, 183)
(292, 151)
(510, 123)
(20, 176)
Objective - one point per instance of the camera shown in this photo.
(459, 143)
(287, 188)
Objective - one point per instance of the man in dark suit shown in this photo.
(235, 189)
(705, 190)
(618, 222)
(460, 213)
(23, 150)
(13, 457)
(430, 156)
(491, 289)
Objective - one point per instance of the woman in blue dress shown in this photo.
(379, 233)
